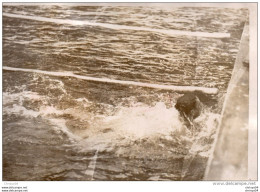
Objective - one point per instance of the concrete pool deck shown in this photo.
(229, 160)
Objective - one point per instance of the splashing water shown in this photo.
(62, 126)
(136, 130)
(142, 121)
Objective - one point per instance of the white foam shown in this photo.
(20, 110)
(208, 125)
(106, 80)
(142, 121)
(127, 125)
(12, 103)
(50, 110)
(10, 98)
(119, 27)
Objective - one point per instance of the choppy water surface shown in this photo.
(64, 128)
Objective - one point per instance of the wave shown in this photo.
(137, 131)
(106, 80)
(119, 27)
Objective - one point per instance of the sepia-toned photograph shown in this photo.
(128, 92)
